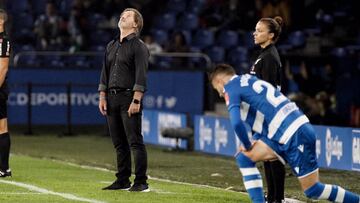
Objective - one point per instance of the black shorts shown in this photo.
(3, 104)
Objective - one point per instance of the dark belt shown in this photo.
(117, 90)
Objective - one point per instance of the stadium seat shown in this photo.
(297, 39)
(17, 6)
(100, 37)
(242, 67)
(352, 49)
(312, 31)
(160, 36)
(195, 61)
(195, 9)
(216, 54)
(176, 6)
(24, 21)
(339, 52)
(65, 7)
(28, 60)
(248, 39)
(188, 21)
(24, 35)
(38, 6)
(96, 61)
(76, 61)
(238, 55)
(53, 61)
(163, 62)
(328, 19)
(197, 3)
(165, 21)
(97, 48)
(283, 48)
(203, 38)
(27, 47)
(187, 34)
(94, 20)
(227, 39)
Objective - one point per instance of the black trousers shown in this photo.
(275, 179)
(126, 136)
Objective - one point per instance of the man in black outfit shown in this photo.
(4, 65)
(268, 67)
(122, 85)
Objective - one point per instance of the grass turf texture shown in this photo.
(188, 167)
(87, 183)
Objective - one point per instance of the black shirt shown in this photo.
(125, 64)
(268, 66)
(4, 53)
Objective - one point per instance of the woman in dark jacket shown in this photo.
(268, 67)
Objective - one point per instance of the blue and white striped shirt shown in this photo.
(263, 107)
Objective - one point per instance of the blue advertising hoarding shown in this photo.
(355, 150)
(336, 147)
(215, 135)
(49, 96)
(154, 121)
(168, 91)
(180, 91)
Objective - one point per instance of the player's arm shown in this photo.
(103, 85)
(4, 60)
(239, 127)
(141, 65)
(141, 56)
(4, 66)
(233, 100)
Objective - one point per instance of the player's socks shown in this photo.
(251, 177)
(4, 151)
(332, 193)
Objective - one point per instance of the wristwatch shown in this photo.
(136, 101)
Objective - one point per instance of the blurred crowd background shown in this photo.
(319, 45)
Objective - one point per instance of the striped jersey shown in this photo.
(267, 111)
(4, 53)
(4, 45)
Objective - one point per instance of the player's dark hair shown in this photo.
(274, 25)
(222, 68)
(138, 19)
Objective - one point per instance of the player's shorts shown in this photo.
(3, 106)
(300, 152)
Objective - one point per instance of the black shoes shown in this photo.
(6, 173)
(117, 185)
(137, 187)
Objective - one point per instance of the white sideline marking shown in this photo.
(21, 193)
(45, 191)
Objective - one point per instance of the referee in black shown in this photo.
(268, 67)
(122, 85)
(4, 65)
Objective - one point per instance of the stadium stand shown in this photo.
(325, 34)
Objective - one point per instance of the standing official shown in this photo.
(4, 65)
(268, 67)
(122, 85)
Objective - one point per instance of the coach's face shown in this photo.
(127, 20)
(261, 34)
